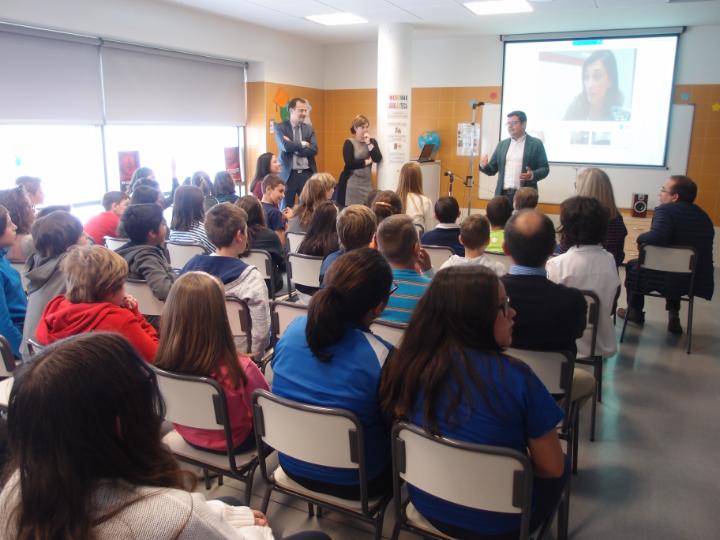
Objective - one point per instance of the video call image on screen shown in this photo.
(601, 101)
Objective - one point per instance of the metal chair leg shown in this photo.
(576, 436)
(593, 411)
(311, 510)
(206, 476)
(266, 500)
(689, 324)
(599, 377)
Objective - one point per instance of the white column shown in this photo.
(393, 100)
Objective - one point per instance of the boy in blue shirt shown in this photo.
(447, 231)
(273, 193)
(397, 240)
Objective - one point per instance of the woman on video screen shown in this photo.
(601, 98)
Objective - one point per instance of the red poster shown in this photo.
(129, 162)
(232, 163)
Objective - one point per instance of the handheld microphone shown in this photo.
(449, 173)
(474, 103)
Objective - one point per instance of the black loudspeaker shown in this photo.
(639, 204)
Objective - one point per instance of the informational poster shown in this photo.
(468, 139)
(399, 128)
(232, 163)
(129, 162)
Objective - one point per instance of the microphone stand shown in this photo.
(451, 179)
(470, 178)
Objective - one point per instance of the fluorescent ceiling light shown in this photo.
(497, 7)
(336, 19)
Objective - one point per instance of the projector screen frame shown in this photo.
(629, 33)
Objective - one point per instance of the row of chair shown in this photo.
(436, 465)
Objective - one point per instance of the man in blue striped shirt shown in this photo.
(397, 240)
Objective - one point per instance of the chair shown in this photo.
(34, 347)
(294, 240)
(7, 367)
(113, 242)
(148, 304)
(240, 322)
(672, 259)
(282, 314)
(438, 255)
(181, 253)
(304, 270)
(199, 402)
(596, 361)
(262, 260)
(390, 331)
(555, 371)
(481, 477)
(295, 429)
(501, 258)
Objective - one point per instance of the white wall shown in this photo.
(477, 61)
(282, 57)
(698, 60)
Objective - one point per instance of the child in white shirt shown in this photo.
(475, 236)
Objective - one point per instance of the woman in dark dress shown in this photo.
(359, 153)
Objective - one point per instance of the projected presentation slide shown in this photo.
(594, 101)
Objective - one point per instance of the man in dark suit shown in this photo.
(549, 316)
(519, 161)
(676, 222)
(297, 146)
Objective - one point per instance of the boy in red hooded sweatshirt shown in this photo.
(96, 301)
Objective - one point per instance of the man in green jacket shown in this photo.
(519, 160)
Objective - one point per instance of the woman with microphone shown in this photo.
(359, 153)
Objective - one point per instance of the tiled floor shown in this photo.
(654, 470)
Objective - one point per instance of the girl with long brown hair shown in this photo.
(197, 340)
(330, 358)
(313, 194)
(415, 203)
(451, 377)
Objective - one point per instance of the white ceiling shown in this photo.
(449, 17)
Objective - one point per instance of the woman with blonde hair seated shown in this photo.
(595, 183)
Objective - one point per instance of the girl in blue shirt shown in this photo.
(13, 300)
(331, 359)
(450, 376)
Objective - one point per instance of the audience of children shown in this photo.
(273, 194)
(329, 358)
(13, 302)
(53, 235)
(416, 205)
(451, 377)
(588, 267)
(187, 218)
(446, 232)
(262, 238)
(498, 212)
(356, 226)
(18, 205)
(106, 223)
(94, 301)
(475, 236)
(226, 226)
(397, 240)
(198, 296)
(312, 195)
(145, 227)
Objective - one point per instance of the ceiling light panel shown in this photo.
(336, 19)
(498, 7)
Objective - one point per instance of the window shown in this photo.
(68, 159)
(192, 148)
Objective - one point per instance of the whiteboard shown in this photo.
(560, 183)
